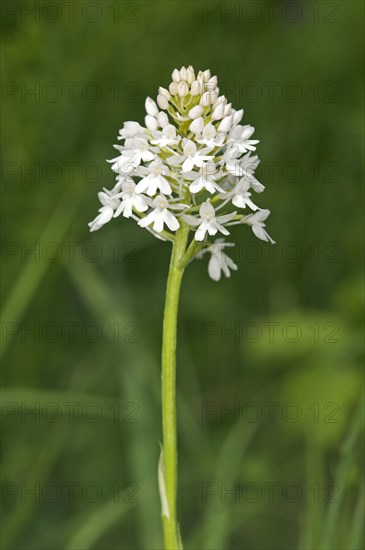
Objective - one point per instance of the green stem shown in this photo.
(192, 249)
(170, 526)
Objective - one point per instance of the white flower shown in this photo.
(130, 199)
(105, 212)
(256, 221)
(135, 151)
(239, 138)
(166, 137)
(160, 216)
(205, 180)
(210, 138)
(155, 180)
(193, 157)
(219, 262)
(124, 165)
(240, 195)
(245, 167)
(130, 129)
(208, 221)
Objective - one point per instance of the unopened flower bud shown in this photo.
(195, 88)
(237, 117)
(183, 73)
(206, 75)
(183, 88)
(173, 88)
(221, 99)
(190, 75)
(213, 80)
(196, 111)
(226, 124)
(228, 109)
(213, 96)
(197, 126)
(164, 92)
(150, 122)
(176, 75)
(218, 112)
(162, 119)
(209, 98)
(205, 99)
(162, 102)
(151, 107)
(210, 87)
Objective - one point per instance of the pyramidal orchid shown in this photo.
(186, 176)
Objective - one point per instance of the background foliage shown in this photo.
(94, 301)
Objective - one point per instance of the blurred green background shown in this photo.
(81, 325)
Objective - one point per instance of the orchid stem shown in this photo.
(168, 473)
